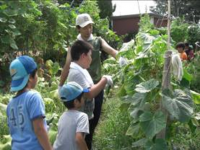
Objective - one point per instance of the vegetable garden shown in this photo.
(137, 110)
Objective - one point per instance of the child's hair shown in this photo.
(32, 74)
(70, 104)
(79, 48)
(180, 45)
(78, 27)
(187, 44)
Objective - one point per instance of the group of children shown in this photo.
(26, 111)
(82, 94)
(185, 50)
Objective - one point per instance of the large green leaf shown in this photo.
(147, 86)
(180, 106)
(160, 144)
(152, 123)
(139, 99)
(195, 97)
(187, 76)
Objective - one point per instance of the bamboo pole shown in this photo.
(168, 25)
(166, 72)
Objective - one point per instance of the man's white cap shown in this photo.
(83, 20)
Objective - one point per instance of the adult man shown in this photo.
(84, 25)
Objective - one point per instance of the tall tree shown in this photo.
(106, 8)
(179, 8)
(74, 3)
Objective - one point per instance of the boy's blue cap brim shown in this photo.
(86, 90)
(19, 84)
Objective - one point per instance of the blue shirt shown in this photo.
(21, 111)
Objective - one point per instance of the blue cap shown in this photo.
(20, 68)
(71, 91)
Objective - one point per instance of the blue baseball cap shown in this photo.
(20, 68)
(71, 91)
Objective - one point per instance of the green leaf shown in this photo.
(11, 21)
(195, 97)
(152, 123)
(134, 130)
(5, 39)
(180, 107)
(140, 143)
(10, 13)
(16, 32)
(139, 99)
(12, 26)
(13, 44)
(147, 86)
(160, 144)
(3, 20)
(187, 76)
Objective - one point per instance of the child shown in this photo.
(189, 51)
(73, 125)
(180, 47)
(25, 111)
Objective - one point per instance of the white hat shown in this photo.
(83, 20)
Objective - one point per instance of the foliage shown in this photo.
(179, 30)
(194, 69)
(141, 93)
(44, 25)
(106, 8)
(45, 28)
(179, 8)
(193, 33)
(111, 132)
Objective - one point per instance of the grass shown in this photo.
(111, 131)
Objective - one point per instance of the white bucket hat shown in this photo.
(83, 20)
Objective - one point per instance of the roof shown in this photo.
(137, 15)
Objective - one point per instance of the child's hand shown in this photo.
(109, 79)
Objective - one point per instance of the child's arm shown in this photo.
(41, 133)
(81, 141)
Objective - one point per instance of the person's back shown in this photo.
(25, 111)
(70, 122)
(21, 110)
(73, 125)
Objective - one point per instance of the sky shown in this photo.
(128, 7)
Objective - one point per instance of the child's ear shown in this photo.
(82, 56)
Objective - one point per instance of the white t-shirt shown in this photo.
(71, 122)
(83, 78)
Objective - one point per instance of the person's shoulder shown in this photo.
(34, 93)
(83, 115)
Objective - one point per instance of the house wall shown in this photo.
(125, 25)
(160, 22)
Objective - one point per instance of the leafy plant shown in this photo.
(142, 95)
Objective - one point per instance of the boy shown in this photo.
(180, 47)
(81, 59)
(25, 111)
(73, 125)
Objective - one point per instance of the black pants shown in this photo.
(94, 121)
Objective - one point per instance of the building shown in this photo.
(128, 24)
